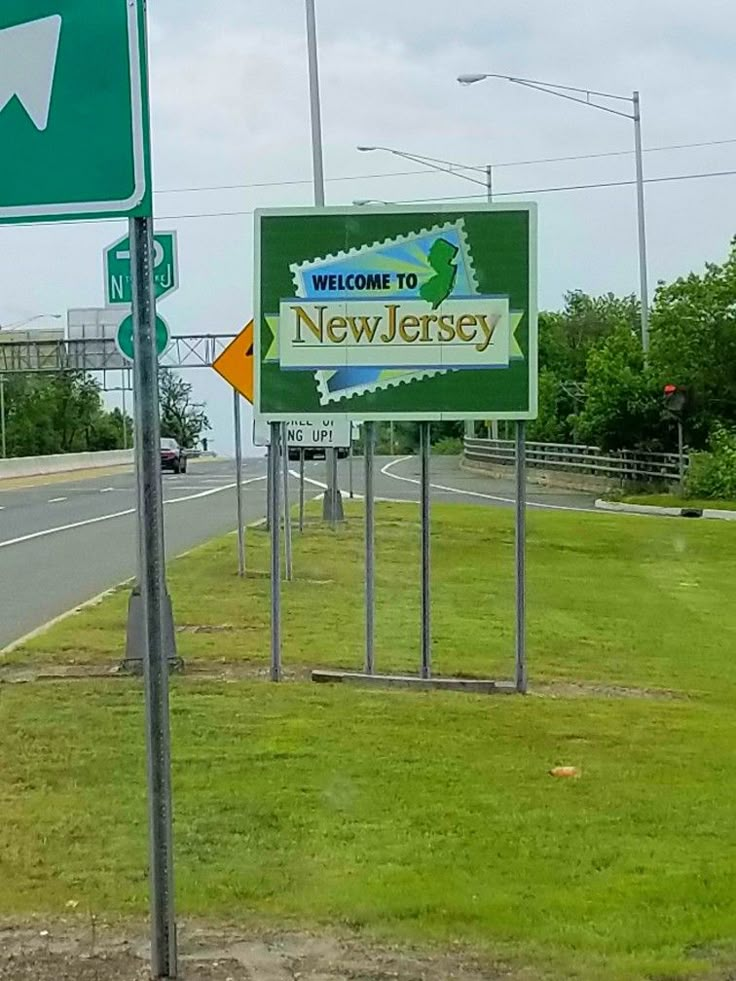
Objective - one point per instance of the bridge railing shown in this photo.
(623, 466)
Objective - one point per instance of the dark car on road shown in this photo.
(317, 452)
(173, 457)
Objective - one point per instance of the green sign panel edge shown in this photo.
(532, 355)
(139, 200)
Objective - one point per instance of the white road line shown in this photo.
(58, 500)
(107, 490)
(118, 514)
(386, 471)
(318, 483)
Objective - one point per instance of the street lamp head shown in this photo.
(471, 79)
(366, 149)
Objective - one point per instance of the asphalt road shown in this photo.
(63, 543)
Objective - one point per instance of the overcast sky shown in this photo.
(230, 106)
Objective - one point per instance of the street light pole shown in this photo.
(575, 94)
(332, 507)
(643, 274)
(318, 167)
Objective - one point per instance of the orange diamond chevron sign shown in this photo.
(235, 364)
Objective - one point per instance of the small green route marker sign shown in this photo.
(124, 338)
(396, 313)
(73, 110)
(118, 283)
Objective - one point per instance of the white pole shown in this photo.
(332, 500)
(643, 274)
(318, 166)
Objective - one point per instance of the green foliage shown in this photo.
(181, 418)
(622, 402)
(713, 474)
(448, 446)
(556, 407)
(693, 327)
(566, 338)
(61, 413)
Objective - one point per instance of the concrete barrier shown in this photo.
(42, 466)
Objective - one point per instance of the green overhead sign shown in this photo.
(413, 313)
(73, 110)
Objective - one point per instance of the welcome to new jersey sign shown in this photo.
(381, 313)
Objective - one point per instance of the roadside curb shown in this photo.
(618, 507)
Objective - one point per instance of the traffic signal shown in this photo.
(675, 400)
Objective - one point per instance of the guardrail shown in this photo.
(622, 466)
(42, 466)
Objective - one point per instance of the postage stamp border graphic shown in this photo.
(392, 379)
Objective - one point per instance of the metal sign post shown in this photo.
(301, 490)
(520, 661)
(269, 495)
(350, 462)
(239, 482)
(369, 442)
(273, 460)
(288, 560)
(3, 445)
(426, 442)
(153, 592)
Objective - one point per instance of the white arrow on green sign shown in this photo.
(118, 287)
(124, 338)
(73, 110)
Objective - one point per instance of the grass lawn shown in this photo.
(421, 817)
(675, 501)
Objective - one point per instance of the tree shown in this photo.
(693, 343)
(182, 419)
(63, 413)
(623, 403)
(567, 337)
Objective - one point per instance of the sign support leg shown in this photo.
(239, 482)
(275, 554)
(288, 560)
(521, 670)
(301, 490)
(3, 446)
(370, 544)
(268, 485)
(153, 592)
(125, 413)
(350, 463)
(426, 665)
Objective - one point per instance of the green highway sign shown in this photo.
(389, 313)
(118, 288)
(73, 110)
(124, 337)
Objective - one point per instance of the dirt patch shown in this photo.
(66, 953)
(230, 671)
(582, 689)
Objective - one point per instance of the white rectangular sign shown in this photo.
(327, 434)
(468, 332)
